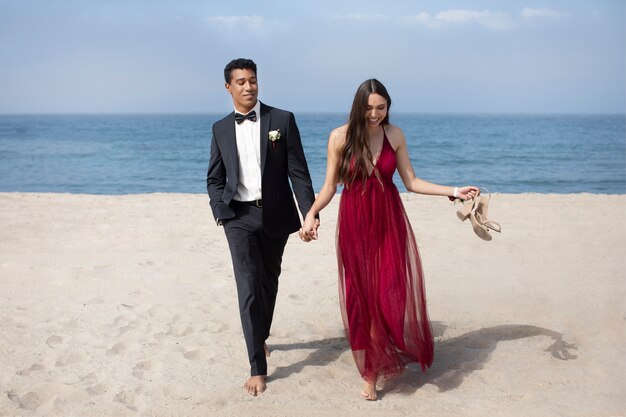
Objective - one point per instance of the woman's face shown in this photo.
(376, 110)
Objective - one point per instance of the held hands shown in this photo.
(308, 231)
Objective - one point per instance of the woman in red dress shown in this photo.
(381, 286)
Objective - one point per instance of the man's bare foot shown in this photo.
(267, 350)
(255, 385)
(369, 391)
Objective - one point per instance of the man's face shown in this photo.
(244, 89)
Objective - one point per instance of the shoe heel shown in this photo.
(464, 212)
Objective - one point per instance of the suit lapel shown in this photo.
(265, 129)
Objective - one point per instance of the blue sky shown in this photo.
(135, 56)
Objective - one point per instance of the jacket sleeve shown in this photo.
(215, 183)
(298, 168)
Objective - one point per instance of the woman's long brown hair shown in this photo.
(356, 155)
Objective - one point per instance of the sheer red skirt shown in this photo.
(381, 288)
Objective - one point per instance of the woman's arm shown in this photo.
(418, 185)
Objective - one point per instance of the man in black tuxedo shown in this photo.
(255, 152)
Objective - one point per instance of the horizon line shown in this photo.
(182, 113)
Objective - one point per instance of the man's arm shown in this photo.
(215, 183)
(298, 168)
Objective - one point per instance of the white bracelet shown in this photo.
(456, 192)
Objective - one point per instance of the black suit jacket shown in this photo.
(280, 163)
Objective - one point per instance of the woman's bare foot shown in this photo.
(255, 385)
(369, 391)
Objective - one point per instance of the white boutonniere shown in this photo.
(273, 136)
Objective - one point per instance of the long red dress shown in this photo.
(381, 288)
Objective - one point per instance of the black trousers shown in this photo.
(256, 261)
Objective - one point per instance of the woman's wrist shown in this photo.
(455, 192)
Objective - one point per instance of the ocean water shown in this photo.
(128, 154)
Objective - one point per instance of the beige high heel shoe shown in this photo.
(476, 210)
(482, 208)
(480, 229)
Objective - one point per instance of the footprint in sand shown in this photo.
(31, 400)
(176, 392)
(125, 323)
(297, 298)
(54, 340)
(123, 320)
(97, 389)
(69, 359)
(215, 327)
(144, 367)
(179, 326)
(118, 348)
(127, 398)
(179, 330)
(196, 355)
(33, 368)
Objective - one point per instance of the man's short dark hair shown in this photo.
(239, 63)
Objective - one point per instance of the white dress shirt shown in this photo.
(248, 135)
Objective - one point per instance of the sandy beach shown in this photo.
(126, 306)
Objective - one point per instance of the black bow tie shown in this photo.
(239, 118)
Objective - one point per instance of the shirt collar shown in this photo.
(256, 108)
